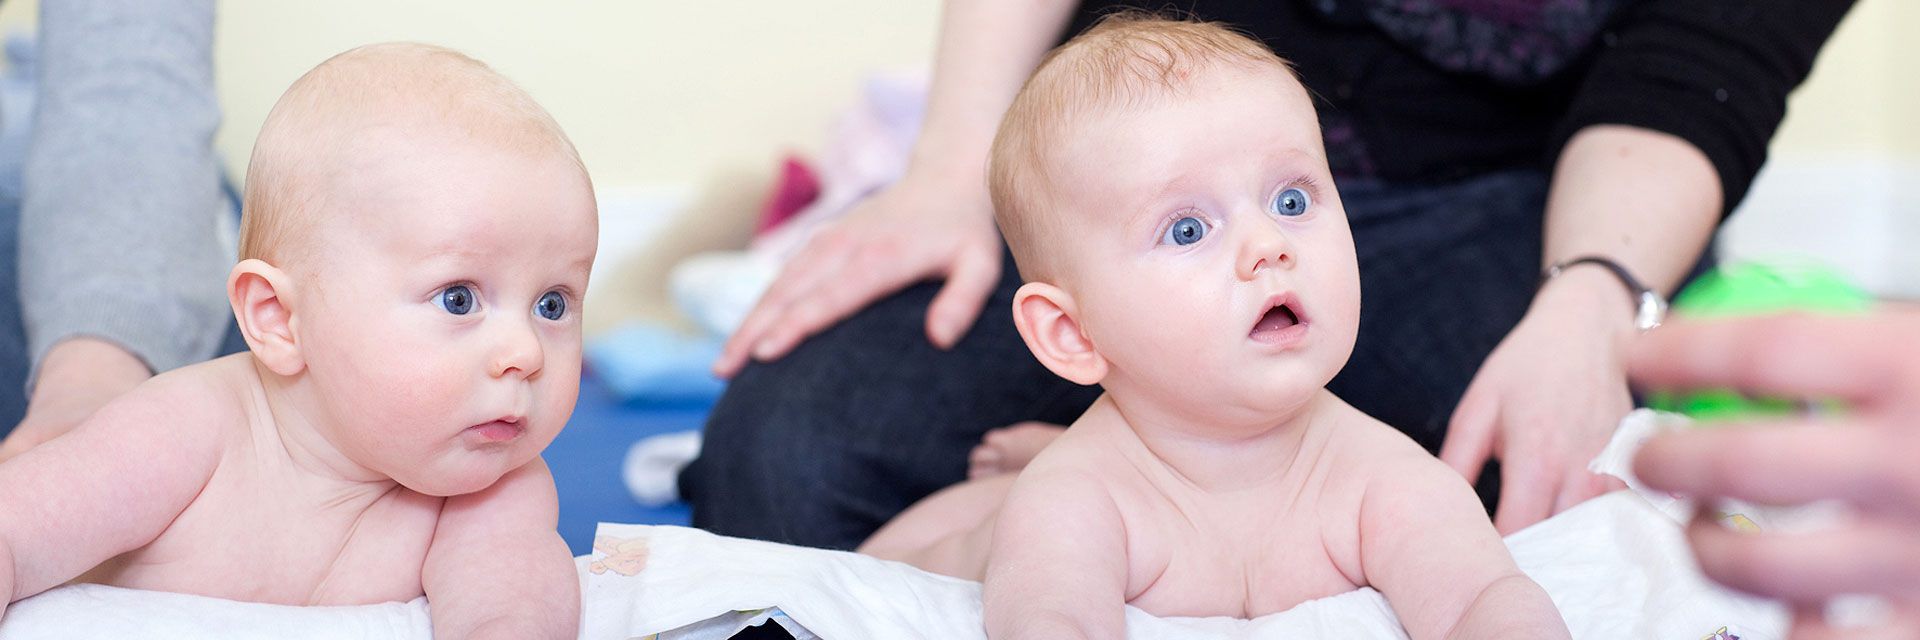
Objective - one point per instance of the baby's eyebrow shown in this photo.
(1155, 206)
(455, 251)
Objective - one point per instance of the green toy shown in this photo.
(1756, 288)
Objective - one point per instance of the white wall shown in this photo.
(1843, 181)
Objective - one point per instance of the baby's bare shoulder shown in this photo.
(1386, 466)
(1369, 443)
(1090, 454)
(195, 404)
(1368, 461)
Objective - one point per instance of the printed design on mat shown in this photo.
(625, 556)
(1720, 634)
(1741, 523)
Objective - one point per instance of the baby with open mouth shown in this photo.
(1165, 192)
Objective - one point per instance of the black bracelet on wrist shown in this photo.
(1650, 309)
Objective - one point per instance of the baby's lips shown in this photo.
(1289, 299)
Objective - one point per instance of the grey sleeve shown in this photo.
(124, 233)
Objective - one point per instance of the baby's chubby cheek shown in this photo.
(1153, 344)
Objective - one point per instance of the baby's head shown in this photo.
(417, 237)
(1165, 192)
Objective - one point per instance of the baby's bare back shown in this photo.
(269, 526)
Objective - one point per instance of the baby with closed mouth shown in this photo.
(416, 238)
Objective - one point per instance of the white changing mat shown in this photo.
(1615, 566)
(98, 611)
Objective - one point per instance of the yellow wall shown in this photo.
(1861, 98)
(678, 92)
(651, 92)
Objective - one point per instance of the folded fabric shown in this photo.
(652, 468)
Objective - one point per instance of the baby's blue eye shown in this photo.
(1291, 202)
(457, 299)
(551, 306)
(1185, 231)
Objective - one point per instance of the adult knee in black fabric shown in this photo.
(1446, 271)
(823, 446)
(13, 333)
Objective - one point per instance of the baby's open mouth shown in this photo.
(1281, 324)
(1277, 318)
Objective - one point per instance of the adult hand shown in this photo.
(1547, 400)
(77, 377)
(923, 227)
(1862, 456)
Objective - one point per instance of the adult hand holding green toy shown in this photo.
(1756, 289)
(1860, 458)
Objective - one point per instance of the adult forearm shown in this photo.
(121, 205)
(987, 48)
(1643, 198)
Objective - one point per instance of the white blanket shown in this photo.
(96, 611)
(1617, 567)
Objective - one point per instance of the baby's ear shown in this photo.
(1045, 316)
(257, 292)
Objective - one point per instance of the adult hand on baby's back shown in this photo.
(1545, 402)
(77, 377)
(920, 228)
(1862, 456)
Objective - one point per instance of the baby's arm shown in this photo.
(1428, 546)
(498, 568)
(1058, 568)
(110, 486)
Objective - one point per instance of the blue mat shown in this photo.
(587, 455)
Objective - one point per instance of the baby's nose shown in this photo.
(1265, 247)
(518, 353)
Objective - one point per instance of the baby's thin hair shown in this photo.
(1125, 59)
(314, 131)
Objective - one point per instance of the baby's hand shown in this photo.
(1427, 546)
(6, 576)
(498, 568)
(1511, 607)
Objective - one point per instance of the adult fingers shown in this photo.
(1527, 487)
(1796, 355)
(958, 305)
(874, 273)
(1899, 621)
(1469, 439)
(819, 260)
(1783, 463)
(1868, 555)
(1580, 486)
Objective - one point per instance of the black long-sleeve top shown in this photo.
(1407, 92)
